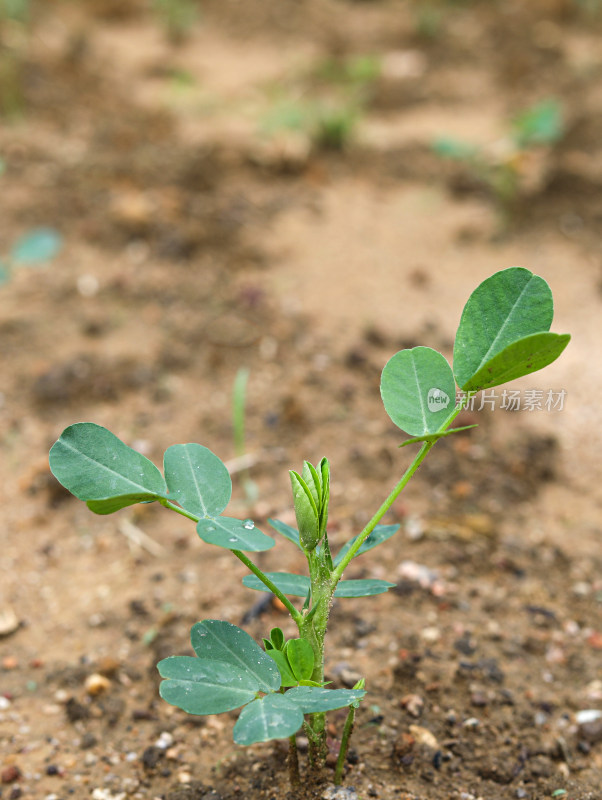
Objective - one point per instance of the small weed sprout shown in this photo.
(281, 687)
(34, 248)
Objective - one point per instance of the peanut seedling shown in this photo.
(282, 687)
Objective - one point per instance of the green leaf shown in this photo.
(292, 534)
(270, 717)
(197, 479)
(379, 535)
(418, 390)
(362, 588)
(233, 535)
(217, 640)
(277, 638)
(286, 673)
(508, 306)
(38, 245)
(542, 124)
(199, 686)
(455, 149)
(312, 700)
(519, 358)
(300, 655)
(110, 504)
(287, 582)
(313, 481)
(94, 465)
(306, 511)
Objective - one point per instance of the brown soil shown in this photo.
(200, 239)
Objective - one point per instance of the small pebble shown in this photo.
(424, 737)
(10, 774)
(339, 793)
(164, 741)
(4, 703)
(97, 684)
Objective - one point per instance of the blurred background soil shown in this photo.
(300, 188)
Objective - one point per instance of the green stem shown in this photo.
(347, 731)
(297, 617)
(350, 554)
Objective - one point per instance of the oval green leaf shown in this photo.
(286, 673)
(379, 535)
(217, 640)
(290, 533)
(197, 479)
(519, 358)
(199, 686)
(364, 587)
(287, 582)
(233, 535)
(300, 655)
(508, 306)
(313, 699)
(37, 246)
(418, 390)
(270, 717)
(94, 465)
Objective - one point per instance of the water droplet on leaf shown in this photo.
(248, 524)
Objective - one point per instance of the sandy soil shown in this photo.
(203, 232)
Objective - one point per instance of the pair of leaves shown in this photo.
(503, 335)
(295, 661)
(299, 585)
(229, 671)
(97, 467)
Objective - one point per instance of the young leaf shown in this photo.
(508, 306)
(313, 481)
(217, 640)
(306, 511)
(286, 673)
(519, 358)
(362, 587)
(38, 245)
(197, 479)
(199, 686)
(380, 534)
(94, 465)
(270, 717)
(277, 638)
(300, 655)
(418, 390)
(233, 534)
(312, 699)
(286, 530)
(287, 582)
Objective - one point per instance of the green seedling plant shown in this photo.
(34, 249)
(177, 17)
(282, 687)
(506, 168)
(239, 402)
